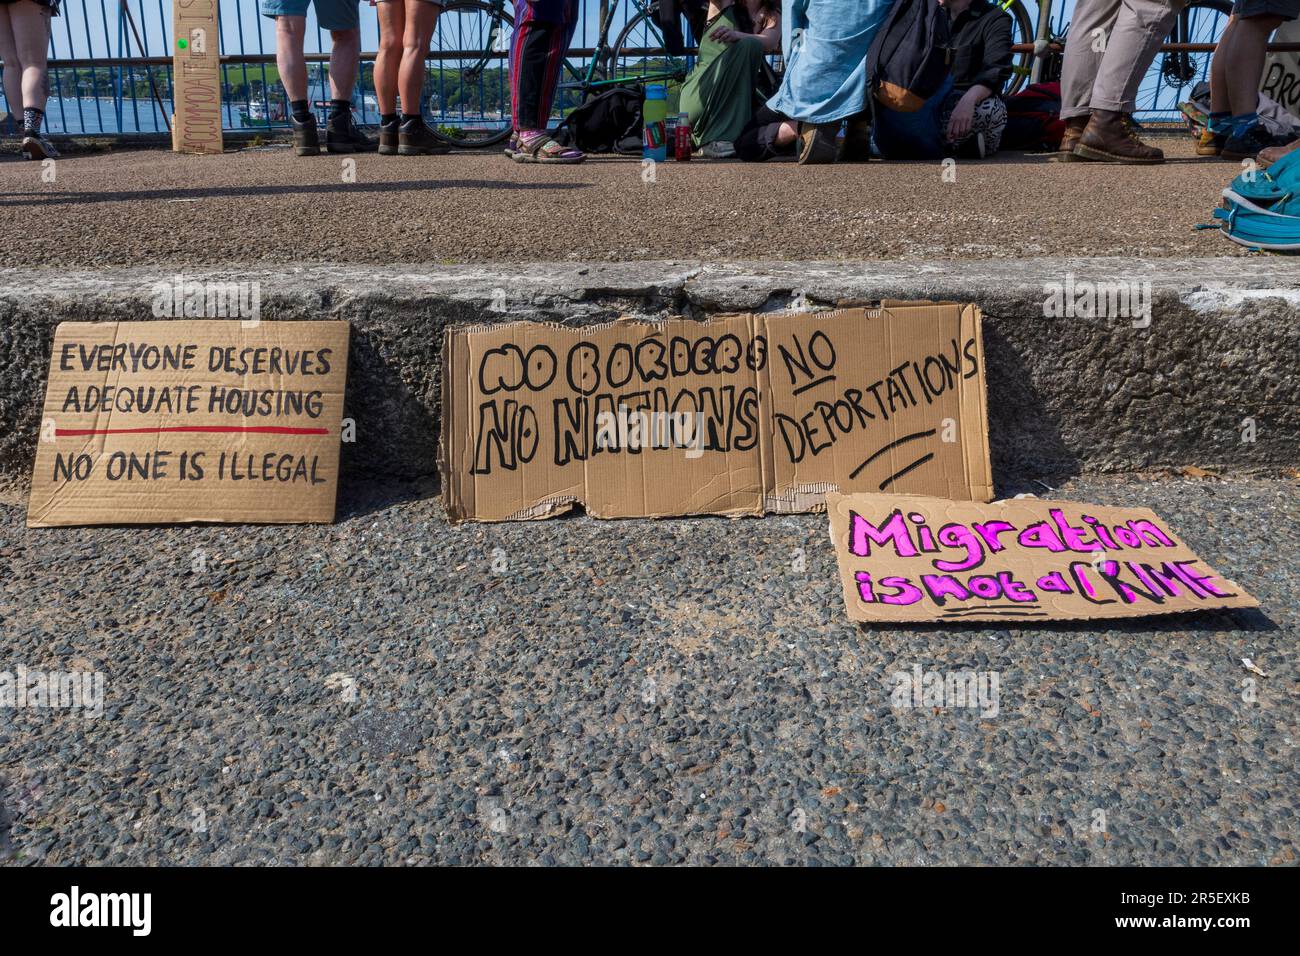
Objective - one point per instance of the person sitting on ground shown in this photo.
(1234, 130)
(974, 114)
(825, 83)
(966, 116)
(1110, 46)
(405, 29)
(543, 32)
(24, 42)
(731, 74)
(343, 20)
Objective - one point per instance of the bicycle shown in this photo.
(1172, 72)
(471, 100)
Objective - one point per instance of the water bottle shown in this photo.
(682, 138)
(655, 118)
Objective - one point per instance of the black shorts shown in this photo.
(53, 5)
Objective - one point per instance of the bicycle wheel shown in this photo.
(1174, 73)
(468, 103)
(1024, 29)
(638, 55)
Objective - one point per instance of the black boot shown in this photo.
(342, 136)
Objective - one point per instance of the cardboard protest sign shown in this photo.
(742, 414)
(912, 558)
(196, 77)
(1281, 80)
(150, 422)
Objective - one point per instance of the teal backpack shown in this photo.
(1261, 209)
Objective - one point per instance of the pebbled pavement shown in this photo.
(574, 691)
(265, 205)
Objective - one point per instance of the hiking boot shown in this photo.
(1271, 155)
(416, 139)
(817, 144)
(1111, 137)
(1073, 130)
(342, 136)
(856, 145)
(388, 138)
(1247, 143)
(306, 142)
(36, 146)
(1210, 143)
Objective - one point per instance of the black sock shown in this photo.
(301, 111)
(412, 121)
(32, 118)
(389, 119)
(340, 110)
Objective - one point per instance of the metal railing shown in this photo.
(111, 74)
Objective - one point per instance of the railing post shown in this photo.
(1044, 34)
(605, 71)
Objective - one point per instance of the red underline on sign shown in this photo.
(205, 429)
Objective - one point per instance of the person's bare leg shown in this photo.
(421, 19)
(290, 32)
(13, 71)
(787, 132)
(31, 29)
(388, 61)
(1244, 62)
(344, 62)
(1219, 69)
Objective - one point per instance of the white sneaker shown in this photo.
(718, 150)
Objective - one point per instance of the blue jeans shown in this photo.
(912, 135)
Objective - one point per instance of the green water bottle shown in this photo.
(654, 115)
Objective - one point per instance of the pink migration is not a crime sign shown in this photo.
(912, 558)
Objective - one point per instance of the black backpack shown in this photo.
(908, 59)
(609, 122)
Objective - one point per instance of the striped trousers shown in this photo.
(543, 31)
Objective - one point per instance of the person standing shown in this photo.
(543, 31)
(24, 42)
(342, 19)
(1234, 130)
(1108, 50)
(405, 29)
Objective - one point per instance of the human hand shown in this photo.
(963, 116)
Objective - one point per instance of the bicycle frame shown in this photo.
(588, 81)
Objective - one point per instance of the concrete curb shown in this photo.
(1066, 395)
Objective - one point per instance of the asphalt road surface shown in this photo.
(392, 689)
(154, 207)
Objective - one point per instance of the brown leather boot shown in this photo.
(1109, 137)
(1267, 157)
(1073, 130)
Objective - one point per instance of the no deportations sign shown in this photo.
(149, 422)
(743, 414)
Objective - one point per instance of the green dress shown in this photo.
(720, 92)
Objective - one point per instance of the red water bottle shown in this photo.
(682, 142)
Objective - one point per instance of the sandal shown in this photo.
(542, 148)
